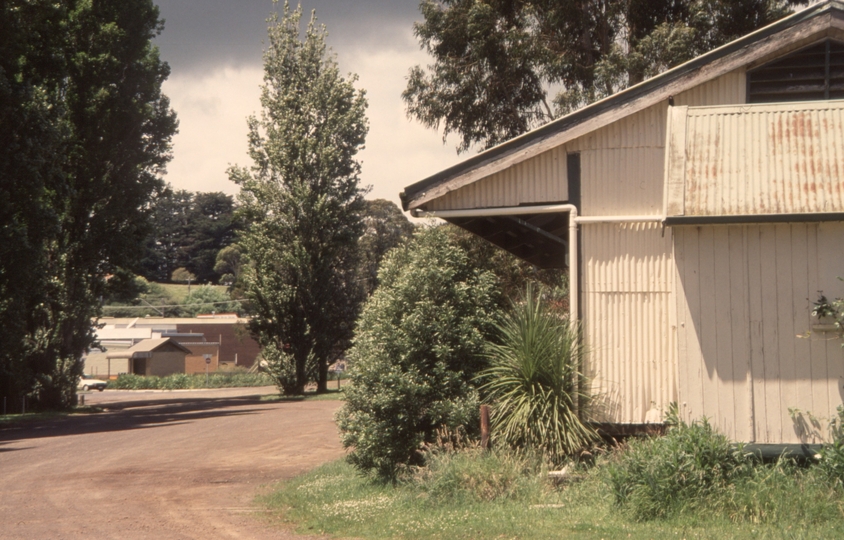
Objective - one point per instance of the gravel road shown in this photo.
(160, 465)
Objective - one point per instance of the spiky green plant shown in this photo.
(534, 383)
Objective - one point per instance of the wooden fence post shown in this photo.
(485, 426)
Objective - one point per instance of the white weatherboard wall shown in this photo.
(627, 285)
(622, 164)
(745, 379)
(542, 178)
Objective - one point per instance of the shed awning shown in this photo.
(540, 239)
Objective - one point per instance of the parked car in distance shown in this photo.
(87, 382)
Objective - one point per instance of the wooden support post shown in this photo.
(484, 426)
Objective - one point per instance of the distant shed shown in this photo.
(236, 345)
(158, 357)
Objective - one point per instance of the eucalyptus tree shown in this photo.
(302, 204)
(502, 67)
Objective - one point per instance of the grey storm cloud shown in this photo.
(198, 35)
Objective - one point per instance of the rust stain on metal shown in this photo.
(771, 158)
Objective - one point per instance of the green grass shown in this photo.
(31, 417)
(47, 415)
(473, 496)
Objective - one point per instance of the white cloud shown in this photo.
(398, 151)
(213, 107)
(212, 110)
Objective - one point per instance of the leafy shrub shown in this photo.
(832, 454)
(281, 366)
(686, 469)
(207, 299)
(419, 342)
(534, 381)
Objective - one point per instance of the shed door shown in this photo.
(139, 366)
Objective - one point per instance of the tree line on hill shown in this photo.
(193, 239)
(198, 231)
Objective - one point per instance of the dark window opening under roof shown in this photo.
(810, 74)
(540, 239)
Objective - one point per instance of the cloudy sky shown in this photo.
(214, 49)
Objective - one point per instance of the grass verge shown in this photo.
(472, 495)
(9, 419)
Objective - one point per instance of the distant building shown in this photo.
(223, 336)
(159, 357)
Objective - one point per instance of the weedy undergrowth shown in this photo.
(682, 470)
(457, 468)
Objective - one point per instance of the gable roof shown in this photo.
(746, 50)
(147, 346)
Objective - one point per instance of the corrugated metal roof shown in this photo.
(784, 158)
(146, 346)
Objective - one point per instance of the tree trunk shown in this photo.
(301, 374)
(322, 383)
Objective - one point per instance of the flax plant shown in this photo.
(534, 383)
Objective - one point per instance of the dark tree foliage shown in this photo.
(495, 60)
(188, 230)
(168, 228)
(212, 227)
(30, 143)
(86, 133)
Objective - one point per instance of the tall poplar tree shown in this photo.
(85, 135)
(302, 202)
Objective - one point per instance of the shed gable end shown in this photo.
(815, 72)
